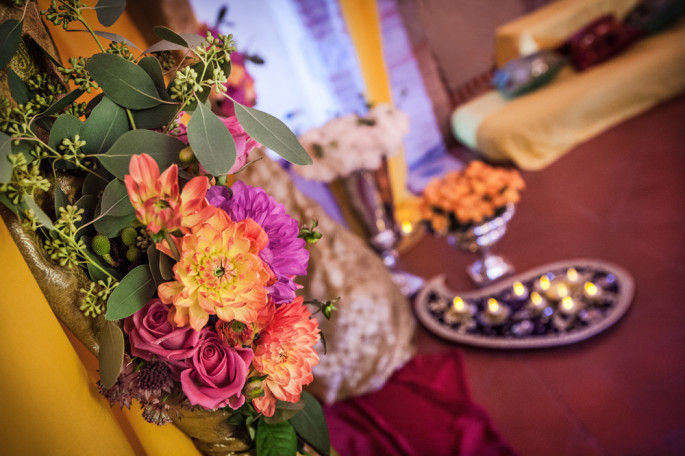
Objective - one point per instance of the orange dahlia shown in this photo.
(219, 273)
(284, 353)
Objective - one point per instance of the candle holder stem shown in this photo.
(489, 267)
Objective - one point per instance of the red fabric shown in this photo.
(425, 409)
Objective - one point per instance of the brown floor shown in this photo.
(620, 198)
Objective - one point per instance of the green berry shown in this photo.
(132, 254)
(101, 245)
(129, 236)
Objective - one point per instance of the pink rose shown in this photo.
(151, 333)
(243, 142)
(216, 374)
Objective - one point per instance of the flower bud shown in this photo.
(101, 245)
(129, 236)
(186, 155)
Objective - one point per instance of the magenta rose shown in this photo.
(216, 374)
(152, 334)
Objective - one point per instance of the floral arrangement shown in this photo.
(193, 278)
(463, 198)
(353, 143)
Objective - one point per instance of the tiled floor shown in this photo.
(620, 198)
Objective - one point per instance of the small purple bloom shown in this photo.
(285, 254)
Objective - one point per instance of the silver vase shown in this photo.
(366, 201)
(479, 239)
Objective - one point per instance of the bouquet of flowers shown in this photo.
(468, 197)
(189, 281)
(353, 143)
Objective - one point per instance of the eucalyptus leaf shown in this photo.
(108, 11)
(124, 82)
(276, 439)
(88, 203)
(17, 209)
(284, 411)
(10, 36)
(310, 424)
(106, 123)
(96, 266)
(153, 256)
(271, 133)
(66, 126)
(165, 45)
(133, 292)
(95, 182)
(162, 148)
(48, 54)
(154, 70)
(63, 102)
(188, 40)
(154, 117)
(61, 199)
(24, 147)
(5, 164)
(212, 143)
(38, 212)
(166, 267)
(111, 226)
(112, 37)
(18, 89)
(115, 200)
(111, 354)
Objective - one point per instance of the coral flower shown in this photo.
(284, 352)
(219, 273)
(156, 198)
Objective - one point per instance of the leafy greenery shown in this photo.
(276, 439)
(133, 292)
(310, 424)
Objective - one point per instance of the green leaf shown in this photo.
(66, 126)
(284, 411)
(18, 89)
(40, 215)
(10, 36)
(111, 354)
(310, 424)
(5, 164)
(49, 55)
(166, 267)
(63, 102)
(165, 45)
(187, 40)
(133, 292)
(95, 182)
(153, 256)
(271, 133)
(276, 439)
(211, 141)
(154, 117)
(123, 82)
(111, 226)
(115, 200)
(94, 272)
(110, 36)
(162, 148)
(61, 199)
(88, 203)
(108, 11)
(154, 70)
(106, 123)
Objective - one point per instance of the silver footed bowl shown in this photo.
(479, 239)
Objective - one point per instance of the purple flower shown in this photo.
(285, 254)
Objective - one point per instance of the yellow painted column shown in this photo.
(363, 25)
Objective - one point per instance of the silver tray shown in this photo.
(548, 330)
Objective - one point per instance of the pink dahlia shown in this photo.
(284, 353)
(285, 254)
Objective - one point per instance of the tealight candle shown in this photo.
(495, 313)
(568, 306)
(572, 276)
(591, 291)
(407, 227)
(544, 283)
(537, 302)
(520, 291)
(460, 311)
(459, 305)
(558, 290)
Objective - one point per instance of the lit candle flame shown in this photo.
(519, 289)
(458, 304)
(493, 306)
(591, 289)
(562, 290)
(536, 299)
(572, 274)
(407, 227)
(567, 303)
(544, 283)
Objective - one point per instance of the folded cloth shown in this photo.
(425, 409)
